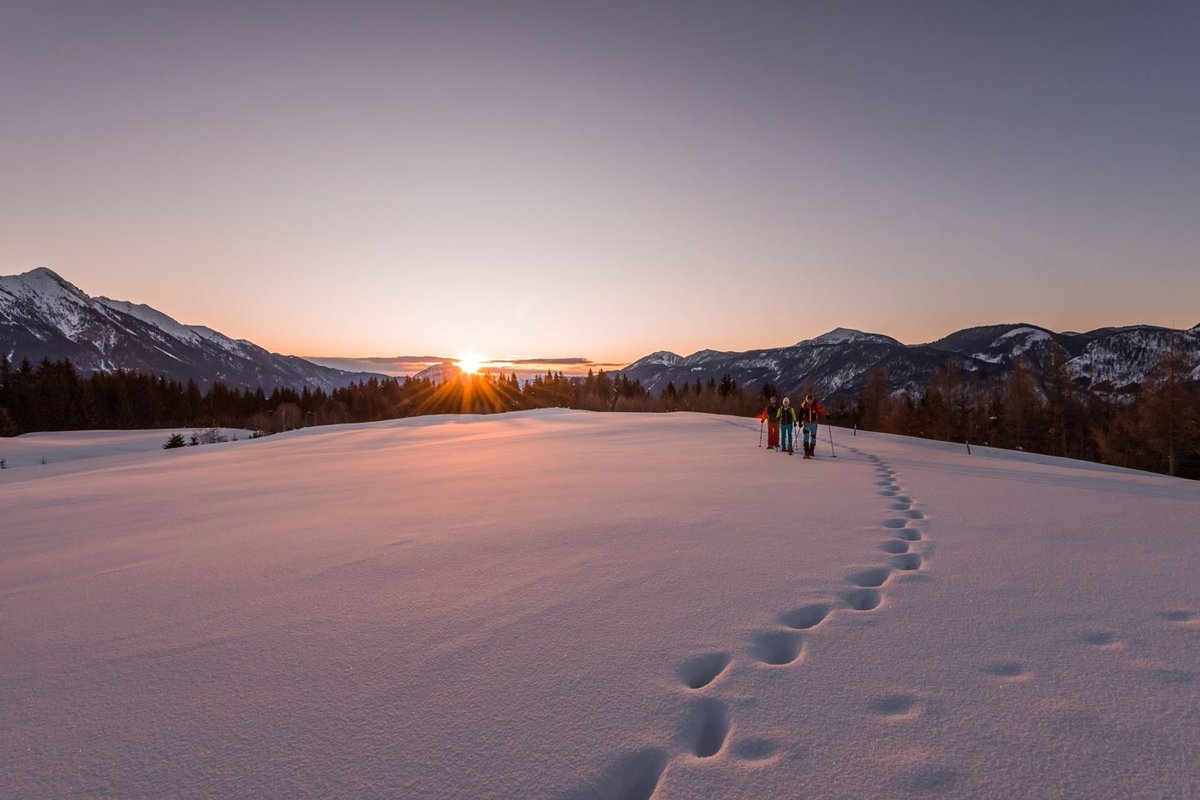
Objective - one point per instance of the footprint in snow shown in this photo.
(1173, 675)
(933, 780)
(896, 706)
(894, 546)
(699, 671)
(871, 577)
(1105, 639)
(1008, 671)
(1181, 617)
(704, 729)
(777, 648)
(806, 617)
(633, 776)
(755, 749)
(861, 599)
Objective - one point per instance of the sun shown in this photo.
(470, 364)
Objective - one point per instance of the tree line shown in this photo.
(1042, 411)
(1155, 428)
(53, 396)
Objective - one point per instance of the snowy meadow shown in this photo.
(564, 604)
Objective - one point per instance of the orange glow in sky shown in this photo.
(470, 363)
(593, 182)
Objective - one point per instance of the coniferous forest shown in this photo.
(1156, 428)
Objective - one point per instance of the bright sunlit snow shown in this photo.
(559, 604)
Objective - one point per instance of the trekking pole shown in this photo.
(831, 450)
(760, 429)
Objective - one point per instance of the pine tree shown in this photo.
(8, 426)
(1166, 420)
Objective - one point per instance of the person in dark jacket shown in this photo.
(810, 414)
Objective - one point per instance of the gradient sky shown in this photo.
(549, 179)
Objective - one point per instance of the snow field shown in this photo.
(58, 447)
(571, 605)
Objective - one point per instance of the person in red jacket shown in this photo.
(810, 414)
(771, 415)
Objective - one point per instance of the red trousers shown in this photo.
(772, 434)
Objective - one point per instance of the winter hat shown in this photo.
(787, 401)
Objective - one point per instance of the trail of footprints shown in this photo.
(704, 729)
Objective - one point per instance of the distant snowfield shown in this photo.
(560, 604)
(44, 449)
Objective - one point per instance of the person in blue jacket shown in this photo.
(811, 413)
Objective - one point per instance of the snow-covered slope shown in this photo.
(559, 604)
(42, 315)
(42, 449)
(1113, 358)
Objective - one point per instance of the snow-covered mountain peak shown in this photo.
(1027, 332)
(44, 292)
(40, 281)
(440, 373)
(1015, 342)
(701, 356)
(189, 334)
(661, 358)
(42, 315)
(151, 316)
(848, 336)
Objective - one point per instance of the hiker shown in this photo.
(810, 414)
(771, 415)
(787, 425)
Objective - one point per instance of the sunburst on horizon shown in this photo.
(470, 364)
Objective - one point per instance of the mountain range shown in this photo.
(42, 315)
(1114, 360)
